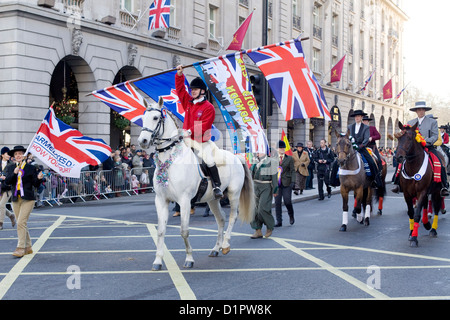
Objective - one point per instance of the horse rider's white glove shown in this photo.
(187, 133)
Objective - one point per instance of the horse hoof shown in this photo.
(367, 222)
(433, 233)
(443, 211)
(214, 254)
(427, 226)
(226, 251)
(343, 228)
(380, 212)
(189, 264)
(157, 267)
(413, 243)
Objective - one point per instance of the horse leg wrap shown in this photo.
(435, 222)
(424, 216)
(415, 232)
(380, 204)
(411, 224)
(430, 207)
(345, 218)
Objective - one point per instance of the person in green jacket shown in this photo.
(265, 182)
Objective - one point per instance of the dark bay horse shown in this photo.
(352, 177)
(417, 181)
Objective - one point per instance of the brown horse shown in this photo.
(417, 181)
(352, 177)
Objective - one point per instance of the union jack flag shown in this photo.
(159, 15)
(125, 100)
(366, 83)
(293, 84)
(64, 149)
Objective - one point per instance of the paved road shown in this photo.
(105, 249)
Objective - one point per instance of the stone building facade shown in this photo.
(61, 50)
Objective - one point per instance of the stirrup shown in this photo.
(218, 194)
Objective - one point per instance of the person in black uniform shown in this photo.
(323, 157)
(361, 134)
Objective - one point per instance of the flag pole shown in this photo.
(204, 61)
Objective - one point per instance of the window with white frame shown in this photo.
(316, 60)
(173, 13)
(212, 21)
(127, 5)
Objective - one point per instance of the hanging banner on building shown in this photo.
(227, 80)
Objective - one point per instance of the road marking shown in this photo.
(360, 285)
(15, 272)
(175, 273)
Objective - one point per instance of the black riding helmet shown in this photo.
(198, 83)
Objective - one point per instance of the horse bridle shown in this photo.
(348, 156)
(155, 140)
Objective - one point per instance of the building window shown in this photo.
(212, 22)
(296, 20)
(127, 5)
(316, 60)
(173, 13)
(335, 30)
(317, 22)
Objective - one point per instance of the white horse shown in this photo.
(178, 176)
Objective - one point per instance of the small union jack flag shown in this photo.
(293, 84)
(125, 100)
(159, 15)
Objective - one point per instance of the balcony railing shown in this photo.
(317, 32)
(297, 22)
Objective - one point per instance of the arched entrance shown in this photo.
(71, 82)
(122, 131)
(64, 93)
(382, 131)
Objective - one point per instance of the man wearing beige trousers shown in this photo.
(22, 177)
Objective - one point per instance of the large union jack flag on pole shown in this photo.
(64, 149)
(125, 100)
(293, 84)
(159, 16)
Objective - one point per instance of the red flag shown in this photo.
(387, 90)
(288, 150)
(238, 38)
(336, 72)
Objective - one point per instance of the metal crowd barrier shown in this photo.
(95, 185)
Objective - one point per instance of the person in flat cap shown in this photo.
(361, 133)
(23, 178)
(301, 163)
(286, 178)
(5, 190)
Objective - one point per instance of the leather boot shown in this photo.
(20, 252)
(215, 179)
(257, 235)
(13, 219)
(28, 250)
(396, 189)
(268, 233)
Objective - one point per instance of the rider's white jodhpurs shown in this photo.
(203, 150)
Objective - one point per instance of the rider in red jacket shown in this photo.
(198, 120)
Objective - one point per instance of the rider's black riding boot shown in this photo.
(215, 179)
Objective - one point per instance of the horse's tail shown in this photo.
(247, 197)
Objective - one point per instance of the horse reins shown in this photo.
(155, 133)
